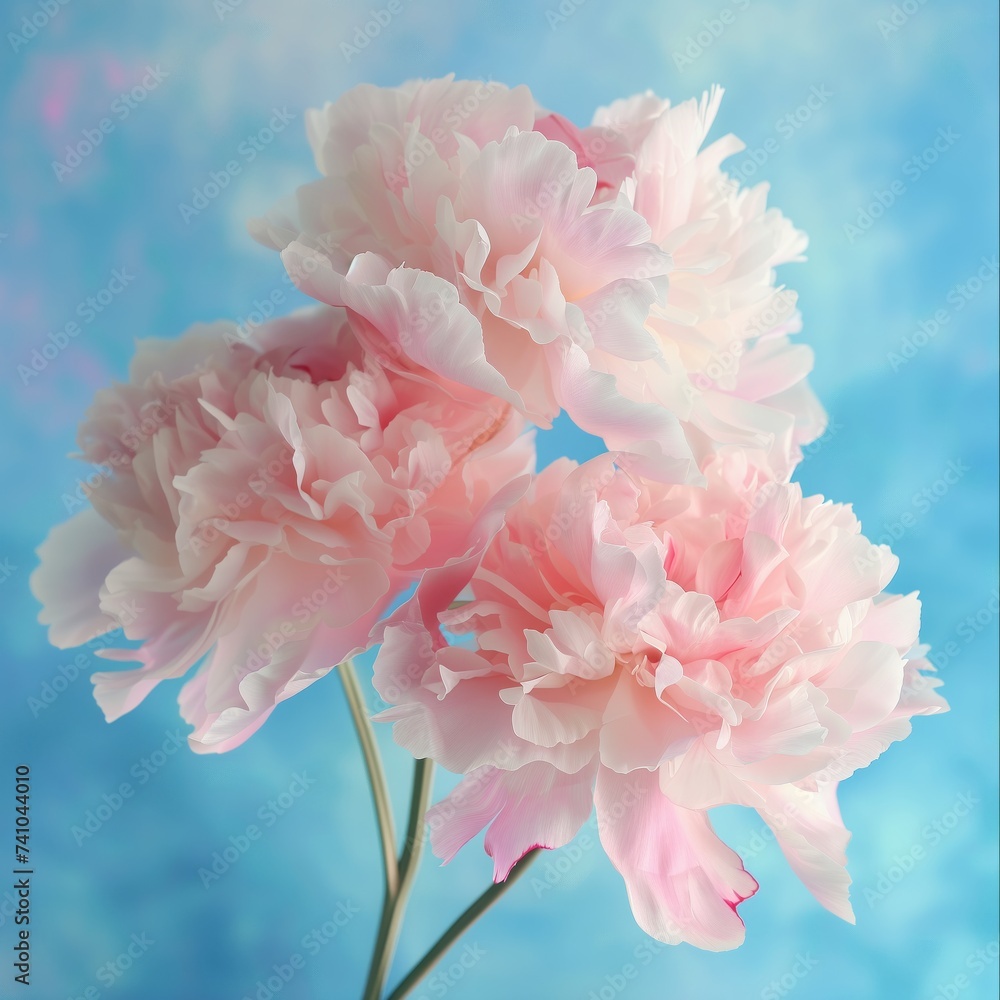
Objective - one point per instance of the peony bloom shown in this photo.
(260, 505)
(655, 651)
(462, 222)
(457, 232)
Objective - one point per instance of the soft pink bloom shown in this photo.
(551, 246)
(656, 651)
(261, 502)
(458, 233)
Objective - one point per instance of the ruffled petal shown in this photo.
(75, 560)
(533, 806)
(684, 884)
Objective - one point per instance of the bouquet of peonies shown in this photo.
(666, 628)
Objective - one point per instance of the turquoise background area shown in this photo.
(899, 77)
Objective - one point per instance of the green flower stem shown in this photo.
(392, 912)
(453, 933)
(376, 776)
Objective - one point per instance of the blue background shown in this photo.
(894, 433)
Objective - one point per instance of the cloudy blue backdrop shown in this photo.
(886, 83)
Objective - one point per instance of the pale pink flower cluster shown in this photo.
(668, 628)
(290, 490)
(655, 651)
(614, 272)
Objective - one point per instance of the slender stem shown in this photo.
(409, 861)
(423, 780)
(376, 776)
(451, 935)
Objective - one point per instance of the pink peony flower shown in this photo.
(656, 651)
(260, 505)
(551, 245)
(458, 232)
